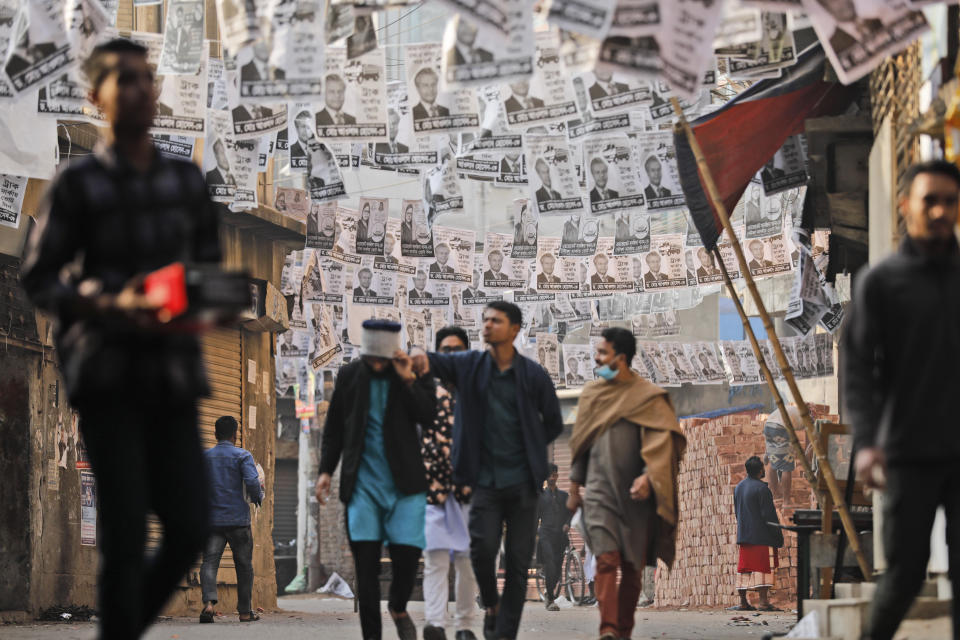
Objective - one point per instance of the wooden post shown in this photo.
(824, 463)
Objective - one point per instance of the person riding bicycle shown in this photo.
(554, 519)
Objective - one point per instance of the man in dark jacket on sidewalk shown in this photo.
(507, 413)
(900, 377)
(554, 518)
(372, 427)
(757, 539)
(232, 472)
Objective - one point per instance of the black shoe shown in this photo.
(405, 627)
(465, 634)
(490, 626)
(431, 632)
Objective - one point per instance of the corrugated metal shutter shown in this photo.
(223, 357)
(285, 505)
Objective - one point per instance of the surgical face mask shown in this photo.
(606, 372)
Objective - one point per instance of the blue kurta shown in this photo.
(377, 511)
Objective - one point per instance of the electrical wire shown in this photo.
(390, 24)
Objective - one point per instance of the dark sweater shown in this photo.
(754, 506)
(346, 426)
(901, 349)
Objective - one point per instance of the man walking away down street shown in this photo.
(626, 449)
(231, 471)
(554, 522)
(507, 413)
(372, 427)
(757, 539)
(900, 351)
(448, 508)
(111, 217)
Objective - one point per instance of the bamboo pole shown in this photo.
(824, 463)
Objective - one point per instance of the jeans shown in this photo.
(241, 544)
(617, 603)
(366, 562)
(910, 504)
(145, 456)
(436, 568)
(515, 506)
(552, 545)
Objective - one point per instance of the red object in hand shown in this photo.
(169, 285)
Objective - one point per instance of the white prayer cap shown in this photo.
(380, 338)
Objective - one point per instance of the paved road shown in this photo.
(319, 618)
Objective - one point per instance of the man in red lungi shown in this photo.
(757, 539)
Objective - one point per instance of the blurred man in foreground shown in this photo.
(901, 347)
(111, 217)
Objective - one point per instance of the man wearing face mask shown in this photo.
(372, 427)
(626, 449)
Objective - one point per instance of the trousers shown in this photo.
(436, 569)
(366, 562)
(515, 507)
(552, 545)
(617, 604)
(240, 540)
(145, 457)
(910, 504)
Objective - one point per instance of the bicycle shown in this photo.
(573, 581)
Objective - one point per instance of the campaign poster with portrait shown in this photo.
(183, 38)
(663, 265)
(632, 233)
(441, 187)
(526, 224)
(659, 176)
(612, 179)
(373, 286)
(787, 169)
(416, 237)
(325, 348)
(486, 43)
(500, 271)
(609, 272)
(403, 147)
(321, 221)
(553, 272)
(344, 237)
(677, 361)
(767, 256)
(436, 111)
(580, 235)
(354, 105)
(423, 291)
(372, 226)
(553, 187)
(453, 254)
(578, 364)
(548, 354)
(545, 97)
(703, 357)
(609, 92)
(217, 158)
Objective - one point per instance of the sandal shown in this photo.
(740, 607)
(207, 617)
(253, 617)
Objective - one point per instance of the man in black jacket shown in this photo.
(757, 539)
(554, 521)
(372, 427)
(900, 354)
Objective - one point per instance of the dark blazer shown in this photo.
(512, 104)
(597, 91)
(346, 426)
(650, 193)
(325, 118)
(537, 403)
(420, 111)
(384, 147)
(242, 114)
(416, 295)
(436, 268)
(598, 279)
(650, 277)
(358, 291)
(406, 233)
(544, 194)
(753, 503)
(455, 58)
(543, 278)
(595, 197)
(506, 168)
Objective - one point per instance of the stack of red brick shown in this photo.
(703, 574)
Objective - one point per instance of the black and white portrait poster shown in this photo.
(856, 43)
(654, 358)
(677, 362)
(686, 43)
(610, 92)
(416, 237)
(325, 347)
(637, 56)
(254, 120)
(323, 173)
(706, 266)
(453, 254)
(239, 23)
(392, 260)
(217, 157)
(703, 357)
(787, 169)
(316, 285)
(297, 46)
(526, 224)
(364, 37)
(441, 188)
(500, 271)
(545, 97)
(663, 265)
(553, 272)
(372, 226)
(321, 224)
(591, 18)
(740, 363)
(548, 354)
(11, 21)
(300, 134)
(294, 343)
(41, 50)
(434, 110)
(354, 97)
(426, 292)
(216, 85)
(772, 52)
(553, 185)
(243, 164)
(658, 171)
(373, 286)
(577, 364)
(580, 234)
(762, 216)
(635, 18)
(182, 99)
(183, 38)
(632, 234)
(12, 189)
(612, 179)
(485, 43)
(609, 272)
(767, 256)
(403, 148)
(293, 202)
(344, 237)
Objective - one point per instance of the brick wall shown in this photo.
(703, 574)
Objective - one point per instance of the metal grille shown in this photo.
(894, 92)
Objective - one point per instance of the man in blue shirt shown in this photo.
(231, 470)
(506, 414)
